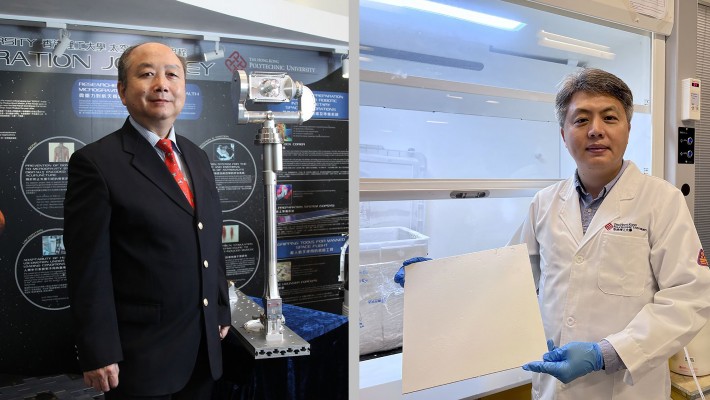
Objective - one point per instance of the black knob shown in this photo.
(685, 189)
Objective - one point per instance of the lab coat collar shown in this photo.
(610, 209)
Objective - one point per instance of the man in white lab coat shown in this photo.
(622, 278)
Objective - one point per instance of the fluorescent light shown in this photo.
(568, 40)
(566, 43)
(437, 122)
(456, 12)
(492, 101)
(454, 97)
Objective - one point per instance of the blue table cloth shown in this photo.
(321, 375)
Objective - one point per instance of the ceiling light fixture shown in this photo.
(62, 44)
(457, 12)
(213, 55)
(345, 62)
(64, 41)
(566, 43)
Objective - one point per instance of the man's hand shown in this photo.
(223, 329)
(103, 379)
(568, 362)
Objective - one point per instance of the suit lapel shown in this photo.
(147, 162)
(192, 160)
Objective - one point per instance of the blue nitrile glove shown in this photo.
(568, 362)
(399, 276)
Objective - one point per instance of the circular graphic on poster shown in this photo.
(241, 252)
(44, 174)
(2, 222)
(40, 272)
(234, 171)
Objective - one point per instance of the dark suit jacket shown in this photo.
(146, 272)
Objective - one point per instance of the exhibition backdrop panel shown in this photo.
(51, 106)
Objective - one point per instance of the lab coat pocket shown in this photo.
(623, 264)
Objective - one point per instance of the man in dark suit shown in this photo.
(145, 265)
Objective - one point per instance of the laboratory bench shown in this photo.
(684, 388)
(381, 379)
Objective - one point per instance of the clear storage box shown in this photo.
(382, 251)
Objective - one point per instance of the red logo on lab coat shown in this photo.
(701, 258)
(609, 226)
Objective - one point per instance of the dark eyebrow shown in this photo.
(611, 108)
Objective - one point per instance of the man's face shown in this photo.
(596, 132)
(154, 92)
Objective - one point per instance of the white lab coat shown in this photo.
(636, 279)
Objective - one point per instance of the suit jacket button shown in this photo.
(205, 302)
(199, 225)
(205, 263)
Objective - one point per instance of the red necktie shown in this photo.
(167, 146)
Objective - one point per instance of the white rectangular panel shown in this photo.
(469, 315)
